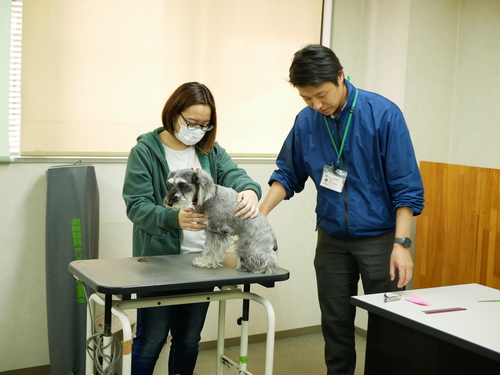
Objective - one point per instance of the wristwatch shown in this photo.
(406, 242)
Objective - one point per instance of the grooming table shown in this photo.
(123, 277)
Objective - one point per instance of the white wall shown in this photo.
(438, 60)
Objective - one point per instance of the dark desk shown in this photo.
(402, 339)
(126, 276)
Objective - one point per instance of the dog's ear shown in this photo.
(204, 183)
(203, 178)
(169, 177)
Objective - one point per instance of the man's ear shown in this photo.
(340, 78)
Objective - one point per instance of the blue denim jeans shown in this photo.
(184, 322)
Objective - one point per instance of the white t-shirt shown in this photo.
(191, 242)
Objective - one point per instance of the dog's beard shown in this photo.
(180, 201)
(180, 204)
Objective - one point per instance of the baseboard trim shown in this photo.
(360, 332)
(252, 339)
(39, 370)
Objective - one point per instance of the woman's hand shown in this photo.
(248, 204)
(189, 219)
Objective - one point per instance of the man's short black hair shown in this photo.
(314, 65)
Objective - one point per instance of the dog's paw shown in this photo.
(267, 269)
(205, 262)
(242, 268)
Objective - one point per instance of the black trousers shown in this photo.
(339, 263)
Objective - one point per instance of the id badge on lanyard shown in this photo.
(333, 179)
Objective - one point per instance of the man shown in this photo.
(356, 147)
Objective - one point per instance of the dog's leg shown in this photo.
(258, 263)
(216, 245)
(254, 257)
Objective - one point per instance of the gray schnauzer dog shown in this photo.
(256, 244)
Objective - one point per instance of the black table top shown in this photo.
(121, 276)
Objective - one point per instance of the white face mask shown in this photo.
(189, 137)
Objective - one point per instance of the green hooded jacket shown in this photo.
(156, 227)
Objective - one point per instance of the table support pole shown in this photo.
(221, 333)
(107, 315)
(244, 331)
(126, 329)
(107, 338)
(89, 363)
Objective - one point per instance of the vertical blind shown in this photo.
(96, 74)
(10, 79)
(15, 78)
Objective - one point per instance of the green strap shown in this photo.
(339, 152)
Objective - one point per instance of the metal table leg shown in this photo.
(222, 296)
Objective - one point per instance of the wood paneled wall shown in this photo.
(458, 232)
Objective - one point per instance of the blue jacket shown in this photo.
(378, 156)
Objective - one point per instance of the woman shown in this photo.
(187, 140)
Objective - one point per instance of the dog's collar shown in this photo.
(194, 203)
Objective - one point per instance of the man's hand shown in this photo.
(401, 259)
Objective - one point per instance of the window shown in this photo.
(96, 74)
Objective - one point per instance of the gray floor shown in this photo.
(296, 355)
